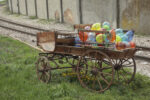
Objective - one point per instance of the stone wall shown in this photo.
(41, 9)
(71, 11)
(31, 7)
(135, 14)
(98, 11)
(22, 7)
(54, 10)
(15, 6)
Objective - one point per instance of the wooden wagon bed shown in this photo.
(50, 43)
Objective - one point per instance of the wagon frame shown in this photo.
(95, 67)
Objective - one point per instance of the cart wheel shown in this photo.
(94, 72)
(43, 69)
(125, 69)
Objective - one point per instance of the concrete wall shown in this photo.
(54, 10)
(41, 9)
(135, 14)
(31, 7)
(71, 11)
(98, 11)
(15, 6)
(22, 7)
(9, 5)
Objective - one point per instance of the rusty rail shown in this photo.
(28, 26)
(144, 48)
(23, 25)
(23, 32)
(142, 58)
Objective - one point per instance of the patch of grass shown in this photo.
(19, 80)
(16, 14)
(45, 21)
(32, 17)
(6, 10)
(3, 2)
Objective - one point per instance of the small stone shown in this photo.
(33, 40)
(139, 52)
(144, 63)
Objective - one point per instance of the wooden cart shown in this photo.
(95, 67)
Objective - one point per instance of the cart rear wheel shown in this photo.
(125, 70)
(43, 69)
(94, 72)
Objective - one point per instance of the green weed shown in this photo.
(3, 2)
(18, 80)
(32, 17)
(45, 21)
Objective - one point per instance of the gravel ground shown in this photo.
(143, 67)
(19, 27)
(23, 37)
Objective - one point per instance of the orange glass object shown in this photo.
(127, 44)
(120, 45)
(113, 35)
(132, 44)
(83, 36)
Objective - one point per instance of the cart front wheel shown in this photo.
(125, 70)
(43, 69)
(95, 71)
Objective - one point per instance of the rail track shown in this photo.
(3, 21)
(18, 28)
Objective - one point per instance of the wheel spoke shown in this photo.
(93, 83)
(100, 85)
(96, 59)
(127, 72)
(116, 61)
(100, 64)
(106, 62)
(41, 75)
(118, 75)
(124, 76)
(104, 79)
(95, 63)
(120, 61)
(125, 60)
(106, 67)
(57, 66)
(91, 62)
(106, 73)
(113, 61)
